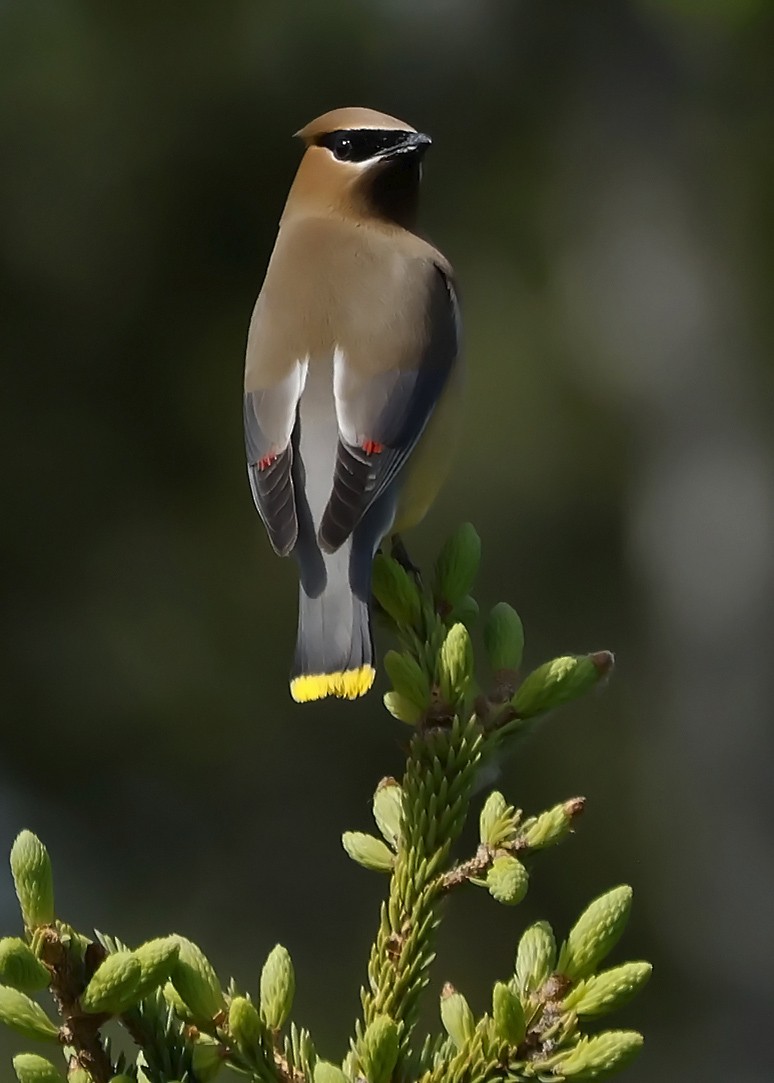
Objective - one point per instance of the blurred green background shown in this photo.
(601, 178)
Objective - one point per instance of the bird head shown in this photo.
(361, 163)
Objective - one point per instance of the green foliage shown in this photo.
(33, 879)
(20, 967)
(169, 999)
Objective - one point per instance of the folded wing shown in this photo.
(382, 413)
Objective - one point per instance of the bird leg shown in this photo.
(399, 553)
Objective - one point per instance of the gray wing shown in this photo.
(270, 417)
(393, 409)
(271, 481)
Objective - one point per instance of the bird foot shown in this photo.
(399, 553)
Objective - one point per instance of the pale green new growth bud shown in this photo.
(493, 811)
(595, 933)
(535, 957)
(368, 851)
(508, 1015)
(278, 987)
(207, 1058)
(388, 810)
(194, 978)
(464, 612)
(378, 1050)
(609, 990)
(113, 988)
(402, 709)
(497, 822)
(595, 1057)
(20, 967)
(244, 1022)
(457, 566)
(325, 1072)
(408, 678)
(395, 591)
(25, 1016)
(455, 664)
(32, 875)
(507, 880)
(504, 638)
(456, 1016)
(560, 681)
(550, 827)
(176, 1002)
(157, 959)
(30, 1068)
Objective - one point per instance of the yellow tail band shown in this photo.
(346, 684)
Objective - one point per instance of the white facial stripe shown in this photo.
(354, 165)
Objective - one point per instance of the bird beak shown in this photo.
(415, 144)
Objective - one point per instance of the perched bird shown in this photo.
(351, 379)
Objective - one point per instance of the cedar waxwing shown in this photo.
(351, 372)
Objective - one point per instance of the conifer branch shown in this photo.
(186, 1025)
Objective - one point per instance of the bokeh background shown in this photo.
(601, 179)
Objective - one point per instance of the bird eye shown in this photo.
(342, 148)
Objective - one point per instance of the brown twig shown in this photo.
(70, 976)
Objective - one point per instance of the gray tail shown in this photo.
(334, 650)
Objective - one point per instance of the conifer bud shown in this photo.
(504, 638)
(244, 1022)
(157, 959)
(604, 1053)
(408, 678)
(497, 822)
(195, 980)
(507, 880)
(24, 1016)
(34, 880)
(368, 851)
(595, 933)
(456, 1016)
(403, 709)
(395, 591)
(278, 987)
(455, 664)
(552, 826)
(609, 990)
(20, 967)
(560, 681)
(508, 1015)
(535, 957)
(30, 1068)
(457, 566)
(388, 810)
(378, 1050)
(113, 987)
(176, 1002)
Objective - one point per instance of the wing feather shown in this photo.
(406, 397)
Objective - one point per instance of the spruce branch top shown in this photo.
(187, 1026)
